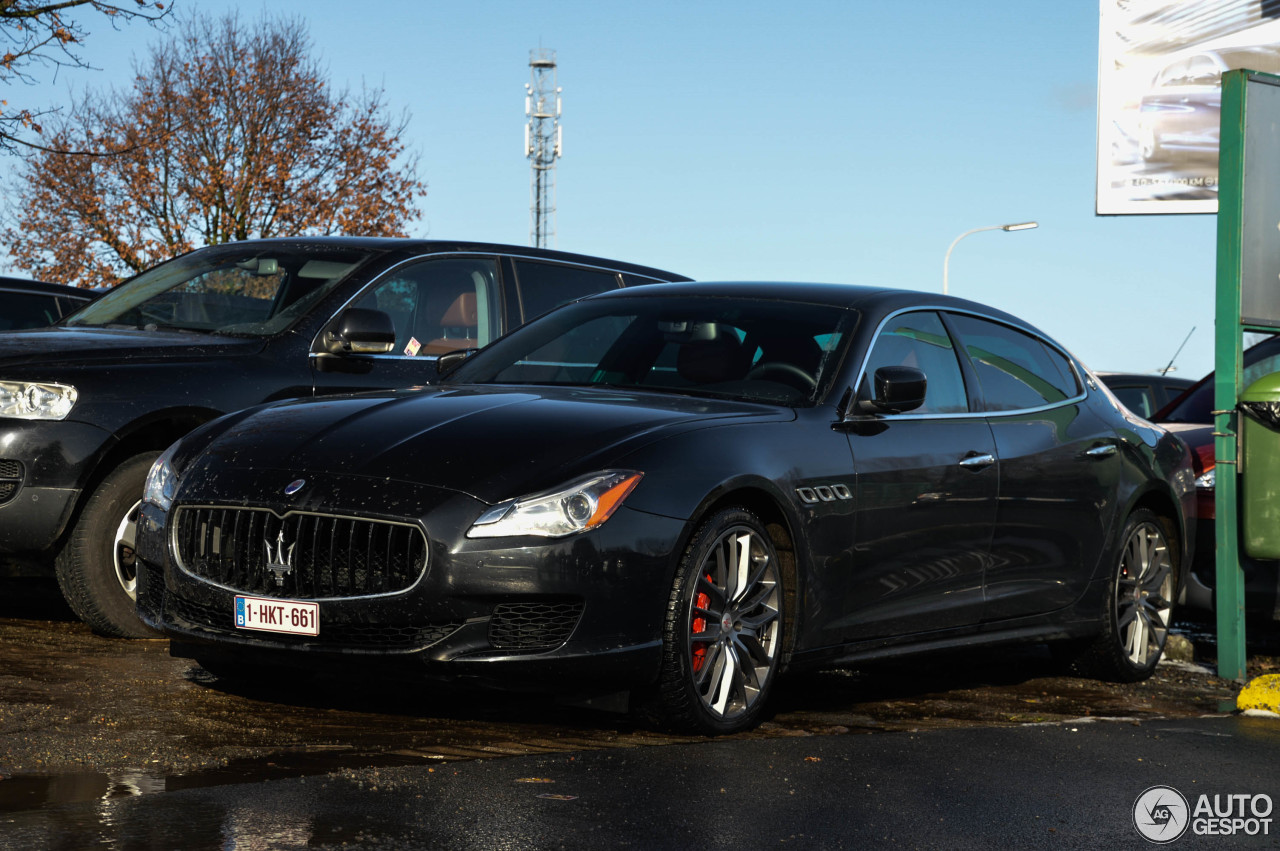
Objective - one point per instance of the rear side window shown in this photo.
(546, 285)
(28, 310)
(1015, 370)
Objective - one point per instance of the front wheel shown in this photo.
(1138, 607)
(97, 566)
(722, 635)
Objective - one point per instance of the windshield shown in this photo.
(757, 350)
(1196, 406)
(239, 289)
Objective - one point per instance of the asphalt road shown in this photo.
(114, 744)
(1046, 786)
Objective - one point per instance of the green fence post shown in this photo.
(1228, 352)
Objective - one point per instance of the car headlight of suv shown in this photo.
(162, 481)
(32, 400)
(579, 505)
(1206, 480)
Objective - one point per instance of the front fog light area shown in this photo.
(579, 505)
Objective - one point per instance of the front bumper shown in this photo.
(43, 466)
(579, 613)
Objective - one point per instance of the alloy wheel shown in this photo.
(1143, 594)
(734, 623)
(124, 554)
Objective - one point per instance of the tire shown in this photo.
(1138, 604)
(95, 567)
(722, 634)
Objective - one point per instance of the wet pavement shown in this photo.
(84, 718)
(1074, 785)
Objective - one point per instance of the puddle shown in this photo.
(23, 792)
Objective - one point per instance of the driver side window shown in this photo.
(920, 340)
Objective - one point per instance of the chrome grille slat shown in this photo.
(332, 556)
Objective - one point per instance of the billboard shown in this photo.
(1160, 64)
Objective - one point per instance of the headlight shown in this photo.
(162, 482)
(29, 400)
(578, 506)
(1206, 480)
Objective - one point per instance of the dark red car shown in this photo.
(1190, 416)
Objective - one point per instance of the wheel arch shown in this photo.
(766, 505)
(154, 433)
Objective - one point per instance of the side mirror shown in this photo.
(447, 361)
(360, 331)
(895, 390)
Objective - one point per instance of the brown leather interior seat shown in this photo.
(458, 326)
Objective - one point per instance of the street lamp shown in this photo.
(946, 260)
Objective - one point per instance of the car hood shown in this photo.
(493, 443)
(51, 347)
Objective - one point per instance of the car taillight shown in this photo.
(1203, 462)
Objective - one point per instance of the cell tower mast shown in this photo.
(542, 138)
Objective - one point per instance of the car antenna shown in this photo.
(1169, 368)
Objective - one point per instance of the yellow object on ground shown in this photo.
(1261, 693)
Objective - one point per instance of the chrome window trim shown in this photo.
(1074, 400)
(177, 556)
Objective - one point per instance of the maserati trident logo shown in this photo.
(280, 562)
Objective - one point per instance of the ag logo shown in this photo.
(1161, 814)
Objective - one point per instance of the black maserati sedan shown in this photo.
(677, 493)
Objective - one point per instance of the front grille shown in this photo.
(221, 619)
(533, 626)
(10, 478)
(299, 556)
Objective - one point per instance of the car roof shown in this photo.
(879, 298)
(29, 286)
(1149, 377)
(411, 245)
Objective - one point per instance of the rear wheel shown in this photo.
(97, 566)
(722, 637)
(1138, 607)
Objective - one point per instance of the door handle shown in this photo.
(1106, 450)
(978, 462)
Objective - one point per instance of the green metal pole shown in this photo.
(1228, 352)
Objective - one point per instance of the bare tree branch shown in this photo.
(36, 34)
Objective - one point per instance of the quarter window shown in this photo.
(920, 340)
(1015, 370)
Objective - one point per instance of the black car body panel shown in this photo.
(973, 518)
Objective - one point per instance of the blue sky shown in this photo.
(849, 140)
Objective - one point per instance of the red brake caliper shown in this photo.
(699, 627)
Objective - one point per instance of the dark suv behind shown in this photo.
(33, 304)
(87, 405)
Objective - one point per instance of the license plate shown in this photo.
(269, 615)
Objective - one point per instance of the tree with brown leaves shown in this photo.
(39, 33)
(228, 133)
